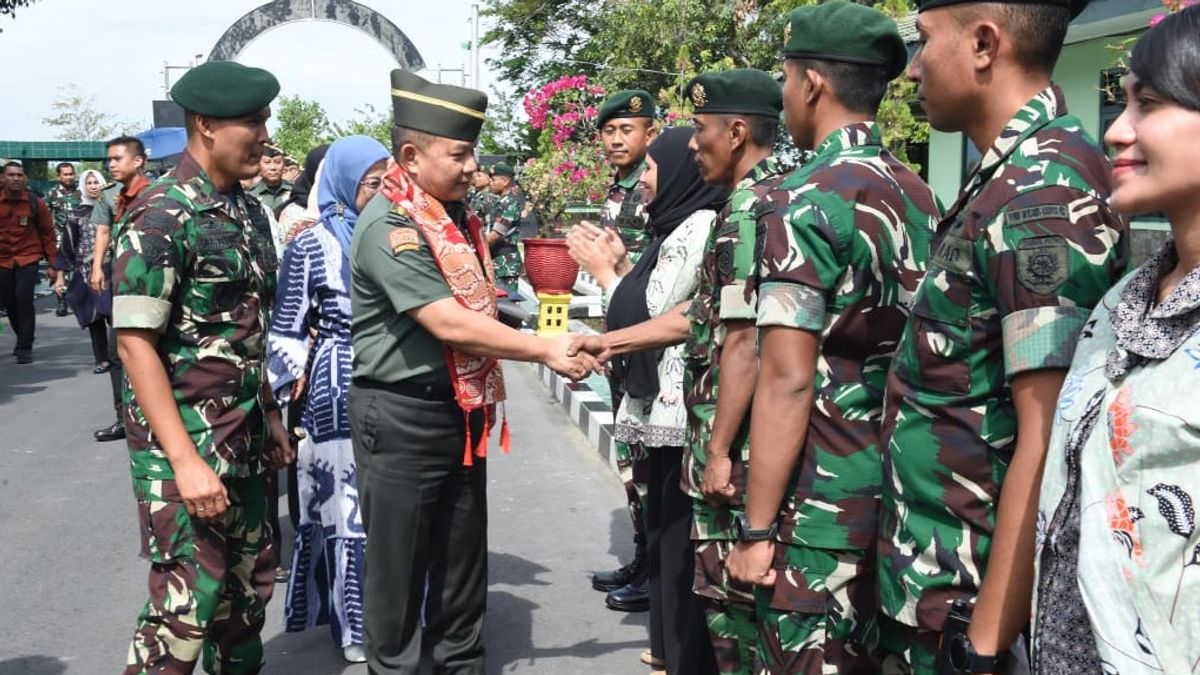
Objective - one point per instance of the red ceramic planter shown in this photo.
(549, 265)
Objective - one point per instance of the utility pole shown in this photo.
(475, 44)
(167, 68)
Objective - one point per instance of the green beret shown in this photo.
(846, 32)
(627, 103)
(225, 89)
(1076, 6)
(271, 150)
(438, 109)
(745, 91)
(502, 169)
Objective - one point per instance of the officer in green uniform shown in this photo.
(479, 196)
(626, 124)
(504, 226)
(842, 243)
(61, 200)
(1018, 263)
(426, 384)
(736, 118)
(193, 282)
(272, 190)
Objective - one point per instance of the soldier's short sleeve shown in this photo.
(102, 213)
(1049, 256)
(146, 267)
(399, 262)
(799, 267)
(735, 257)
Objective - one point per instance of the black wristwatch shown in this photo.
(741, 528)
(963, 658)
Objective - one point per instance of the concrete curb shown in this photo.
(587, 409)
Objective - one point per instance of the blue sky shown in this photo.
(115, 49)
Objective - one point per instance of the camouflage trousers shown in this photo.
(821, 616)
(908, 649)
(634, 472)
(508, 265)
(209, 581)
(729, 608)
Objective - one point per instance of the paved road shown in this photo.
(73, 583)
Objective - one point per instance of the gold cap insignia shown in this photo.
(635, 104)
(699, 96)
(787, 32)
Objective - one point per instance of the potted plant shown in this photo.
(569, 169)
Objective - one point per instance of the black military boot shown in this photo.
(113, 432)
(62, 309)
(611, 581)
(633, 597)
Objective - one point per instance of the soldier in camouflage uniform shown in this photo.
(736, 117)
(842, 245)
(626, 123)
(479, 195)
(194, 277)
(504, 226)
(1019, 261)
(273, 191)
(62, 200)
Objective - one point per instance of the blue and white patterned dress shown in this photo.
(312, 321)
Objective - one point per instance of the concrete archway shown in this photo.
(346, 12)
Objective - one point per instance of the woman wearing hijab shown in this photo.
(314, 300)
(652, 416)
(301, 209)
(1118, 563)
(92, 310)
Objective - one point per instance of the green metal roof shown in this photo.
(59, 150)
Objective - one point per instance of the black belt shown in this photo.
(427, 392)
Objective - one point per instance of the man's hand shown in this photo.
(96, 281)
(282, 452)
(298, 387)
(203, 494)
(60, 283)
(750, 563)
(51, 274)
(717, 485)
(577, 366)
(590, 344)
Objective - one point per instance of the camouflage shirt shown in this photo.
(271, 197)
(1019, 261)
(482, 202)
(198, 267)
(624, 210)
(842, 254)
(728, 262)
(62, 202)
(505, 220)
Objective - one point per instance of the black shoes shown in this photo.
(633, 597)
(23, 356)
(611, 581)
(114, 432)
(62, 309)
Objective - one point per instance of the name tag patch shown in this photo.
(1035, 213)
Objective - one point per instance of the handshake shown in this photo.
(575, 356)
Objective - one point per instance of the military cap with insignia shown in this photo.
(745, 91)
(627, 103)
(437, 109)
(502, 169)
(271, 150)
(1076, 6)
(846, 32)
(225, 90)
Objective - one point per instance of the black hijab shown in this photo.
(304, 184)
(681, 192)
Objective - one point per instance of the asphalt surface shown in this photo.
(73, 582)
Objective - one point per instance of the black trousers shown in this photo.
(426, 520)
(676, 609)
(98, 332)
(116, 375)
(16, 294)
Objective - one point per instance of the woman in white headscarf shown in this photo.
(93, 310)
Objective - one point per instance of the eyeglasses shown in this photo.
(372, 183)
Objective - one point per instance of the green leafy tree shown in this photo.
(367, 121)
(303, 125)
(75, 117)
(503, 132)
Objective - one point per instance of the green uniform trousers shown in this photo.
(425, 515)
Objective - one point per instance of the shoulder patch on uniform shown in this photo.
(1034, 213)
(403, 239)
(1043, 263)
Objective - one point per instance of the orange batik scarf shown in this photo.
(467, 268)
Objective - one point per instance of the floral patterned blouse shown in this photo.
(1118, 547)
(662, 421)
